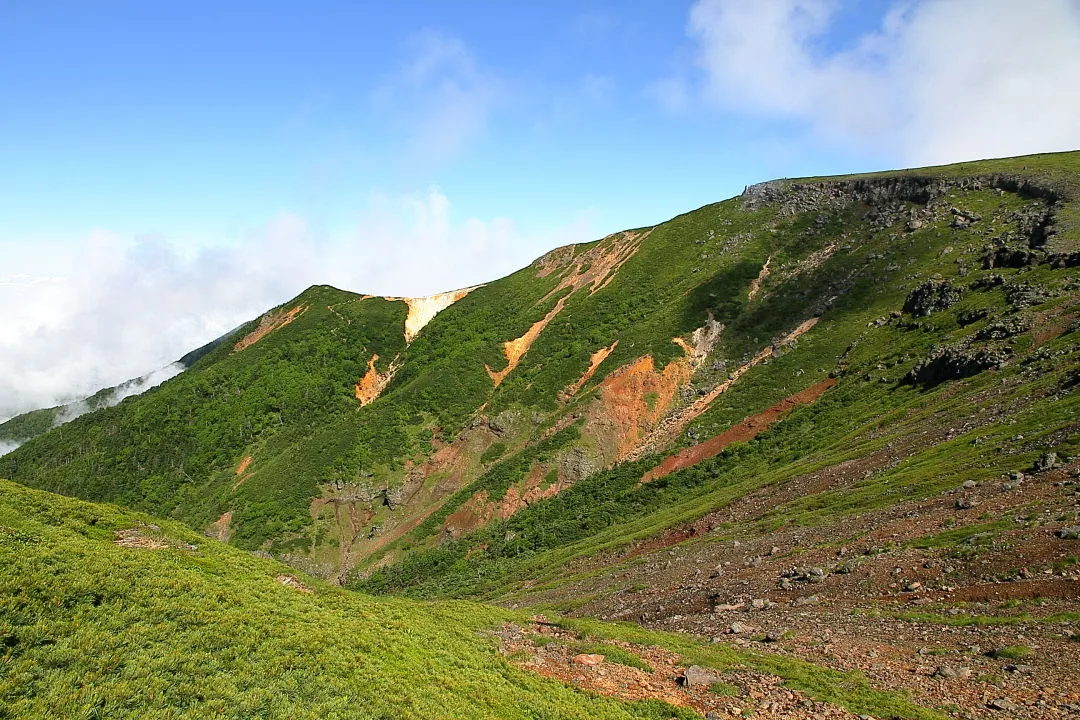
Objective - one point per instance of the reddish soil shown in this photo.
(674, 424)
(516, 349)
(373, 383)
(594, 362)
(222, 527)
(243, 465)
(632, 400)
(270, 321)
(479, 510)
(744, 431)
(552, 652)
(1050, 325)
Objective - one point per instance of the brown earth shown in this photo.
(631, 400)
(222, 527)
(479, 510)
(666, 432)
(755, 284)
(553, 652)
(373, 383)
(702, 577)
(243, 465)
(267, 324)
(744, 431)
(596, 267)
(516, 349)
(594, 363)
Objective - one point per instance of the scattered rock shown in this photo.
(739, 628)
(1046, 461)
(1004, 704)
(947, 672)
(804, 601)
(912, 586)
(293, 582)
(930, 297)
(1069, 533)
(1022, 669)
(969, 484)
(955, 363)
(965, 503)
(695, 675)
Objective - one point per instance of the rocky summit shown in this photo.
(814, 447)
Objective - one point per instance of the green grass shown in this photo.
(288, 400)
(1012, 652)
(197, 629)
(89, 629)
(724, 689)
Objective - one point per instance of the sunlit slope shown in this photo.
(337, 438)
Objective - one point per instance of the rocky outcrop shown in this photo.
(930, 297)
(796, 197)
(955, 363)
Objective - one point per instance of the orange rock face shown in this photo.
(373, 383)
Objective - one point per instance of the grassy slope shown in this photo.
(89, 629)
(287, 400)
(874, 269)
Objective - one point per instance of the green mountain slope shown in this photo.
(510, 434)
(105, 613)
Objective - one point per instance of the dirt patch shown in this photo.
(744, 431)
(222, 527)
(269, 322)
(594, 362)
(374, 382)
(596, 267)
(553, 652)
(673, 425)
(631, 400)
(293, 582)
(516, 349)
(755, 284)
(136, 538)
(1050, 325)
(244, 464)
(479, 510)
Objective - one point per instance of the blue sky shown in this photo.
(205, 118)
(171, 169)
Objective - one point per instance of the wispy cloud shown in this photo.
(127, 307)
(937, 81)
(440, 96)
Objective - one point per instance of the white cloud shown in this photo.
(127, 389)
(440, 96)
(938, 81)
(121, 308)
(7, 446)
